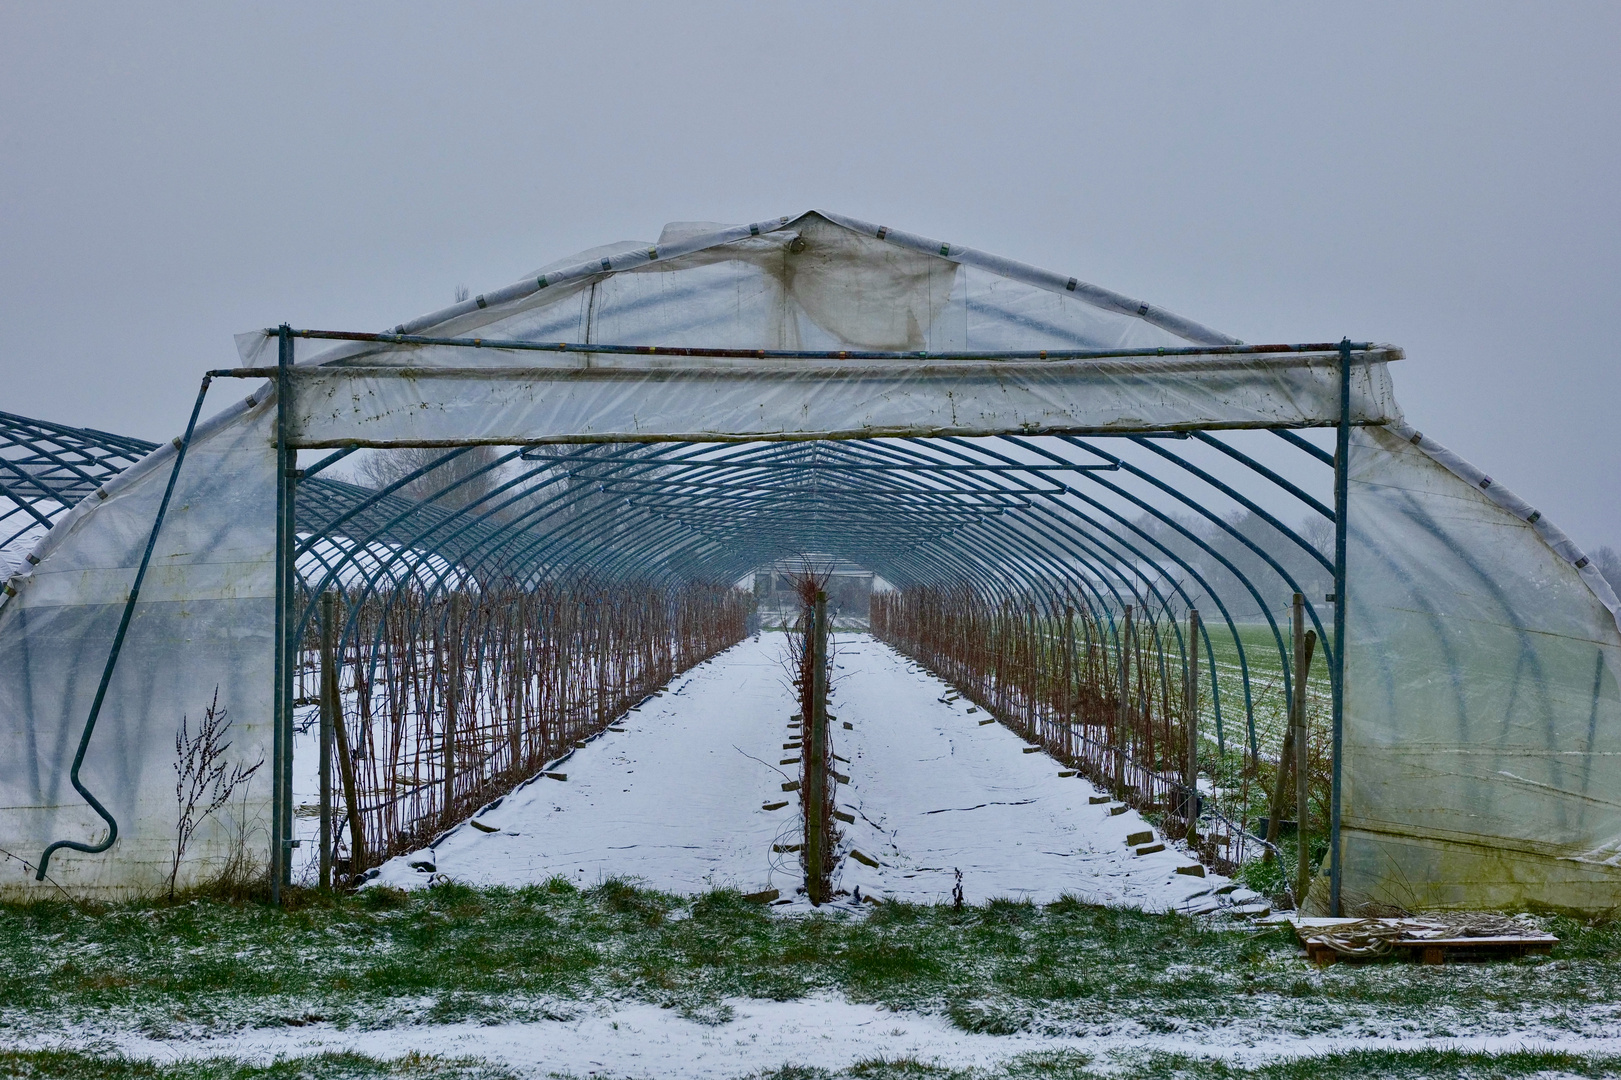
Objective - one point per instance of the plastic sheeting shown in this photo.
(688, 400)
(809, 284)
(204, 622)
(1482, 757)
(1482, 706)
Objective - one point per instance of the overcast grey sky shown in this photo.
(1441, 176)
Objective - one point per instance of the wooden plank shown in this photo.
(1538, 940)
(1426, 950)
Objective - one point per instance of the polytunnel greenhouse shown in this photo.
(1123, 533)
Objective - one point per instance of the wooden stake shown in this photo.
(453, 703)
(1123, 709)
(1190, 711)
(346, 773)
(815, 743)
(1067, 702)
(1286, 753)
(329, 702)
(1307, 641)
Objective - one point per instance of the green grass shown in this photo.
(452, 953)
(72, 1065)
(1266, 687)
(1041, 1065)
(1070, 1065)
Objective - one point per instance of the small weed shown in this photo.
(624, 898)
(1050, 1065)
(795, 1072)
(983, 1019)
(881, 1068)
(383, 898)
(559, 885)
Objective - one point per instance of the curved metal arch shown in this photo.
(1211, 591)
(1111, 556)
(61, 464)
(1221, 523)
(981, 531)
(857, 448)
(1240, 576)
(998, 541)
(1072, 514)
(1239, 456)
(408, 550)
(771, 460)
(899, 457)
(1256, 509)
(1221, 606)
(775, 460)
(1137, 581)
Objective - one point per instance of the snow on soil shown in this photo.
(638, 1040)
(677, 799)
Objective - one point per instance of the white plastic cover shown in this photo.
(1482, 759)
(1481, 727)
(204, 621)
(589, 396)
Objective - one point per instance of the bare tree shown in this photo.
(584, 468)
(1608, 562)
(205, 781)
(1318, 531)
(469, 471)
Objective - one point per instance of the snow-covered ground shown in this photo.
(677, 795)
(685, 797)
(645, 1041)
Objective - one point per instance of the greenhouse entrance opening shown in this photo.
(1055, 578)
(1218, 583)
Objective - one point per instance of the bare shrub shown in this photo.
(205, 781)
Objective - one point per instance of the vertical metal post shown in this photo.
(1190, 705)
(281, 831)
(602, 668)
(1342, 487)
(329, 701)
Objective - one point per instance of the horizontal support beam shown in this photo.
(738, 515)
(694, 489)
(828, 466)
(599, 349)
(708, 395)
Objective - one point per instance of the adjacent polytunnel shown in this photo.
(1122, 532)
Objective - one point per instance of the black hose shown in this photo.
(112, 659)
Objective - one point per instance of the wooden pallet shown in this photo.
(1428, 950)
